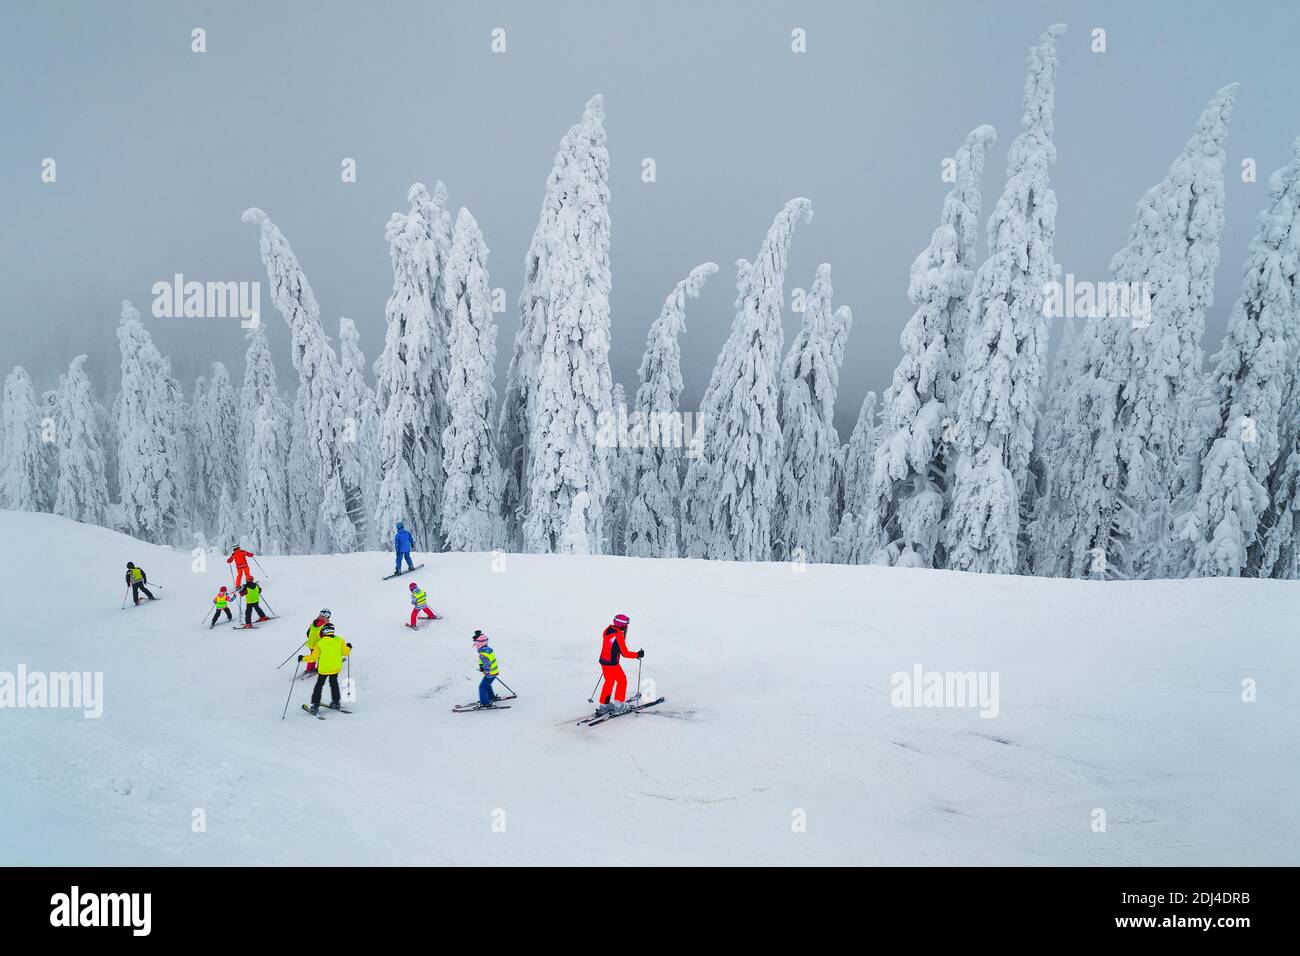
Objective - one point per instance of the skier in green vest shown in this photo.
(252, 592)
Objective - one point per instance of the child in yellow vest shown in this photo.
(222, 603)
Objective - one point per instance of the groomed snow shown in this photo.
(1124, 697)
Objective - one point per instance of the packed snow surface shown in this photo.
(777, 744)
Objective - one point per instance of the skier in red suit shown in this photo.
(240, 558)
(613, 646)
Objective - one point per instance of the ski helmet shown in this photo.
(479, 639)
(223, 589)
(621, 621)
(324, 612)
(327, 628)
(400, 526)
(129, 564)
(412, 586)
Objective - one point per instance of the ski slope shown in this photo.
(1123, 697)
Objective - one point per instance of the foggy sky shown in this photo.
(159, 149)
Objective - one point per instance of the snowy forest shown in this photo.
(1127, 454)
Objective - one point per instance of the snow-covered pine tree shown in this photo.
(850, 545)
(319, 499)
(576, 538)
(360, 422)
(202, 508)
(515, 424)
(82, 492)
(231, 527)
(49, 417)
(1277, 551)
(1174, 248)
(106, 429)
(265, 503)
(729, 494)
(1130, 408)
(621, 468)
(411, 372)
(1006, 340)
(810, 378)
(1253, 374)
(471, 504)
(150, 457)
(26, 478)
(264, 444)
(214, 438)
(260, 387)
(573, 376)
(656, 460)
(913, 460)
(1062, 447)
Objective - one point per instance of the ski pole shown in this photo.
(125, 596)
(638, 677)
(592, 698)
(291, 656)
(271, 609)
(508, 688)
(265, 576)
(204, 617)
(290, 697)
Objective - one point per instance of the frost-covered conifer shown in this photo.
(729, 494)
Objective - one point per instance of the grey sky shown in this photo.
(159, 150)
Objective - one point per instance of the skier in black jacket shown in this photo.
(136, 580)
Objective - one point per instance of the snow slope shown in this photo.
(1124, 697)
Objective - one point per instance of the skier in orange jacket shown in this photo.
(240, 559)
(613, 646)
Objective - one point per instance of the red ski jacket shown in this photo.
(240, 557)
(613, 644)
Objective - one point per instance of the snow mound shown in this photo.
(777, 744)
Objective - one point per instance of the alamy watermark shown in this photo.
(75, 908)
(941, 689)
(179, 299)
(1081, 299)
(619, 428)
(57, 690)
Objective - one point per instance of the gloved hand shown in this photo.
(641, 653)
(300, 658)
(349, 647)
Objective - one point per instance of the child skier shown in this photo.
(240, 558)
(222, 603)
(313, 634)
(402, 543)
(487, 666)
(252, 593)
(613, 646)
(136, 580)
(328, 657)
(419, 602)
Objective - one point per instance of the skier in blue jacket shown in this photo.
(402, 545)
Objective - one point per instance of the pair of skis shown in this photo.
(306, 709)
(254, 627)
(599, 718)
(435, 619)
(475, 705)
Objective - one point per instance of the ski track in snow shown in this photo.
(1121, 697)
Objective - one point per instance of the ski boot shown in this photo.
(335, 705)
(313, 709)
